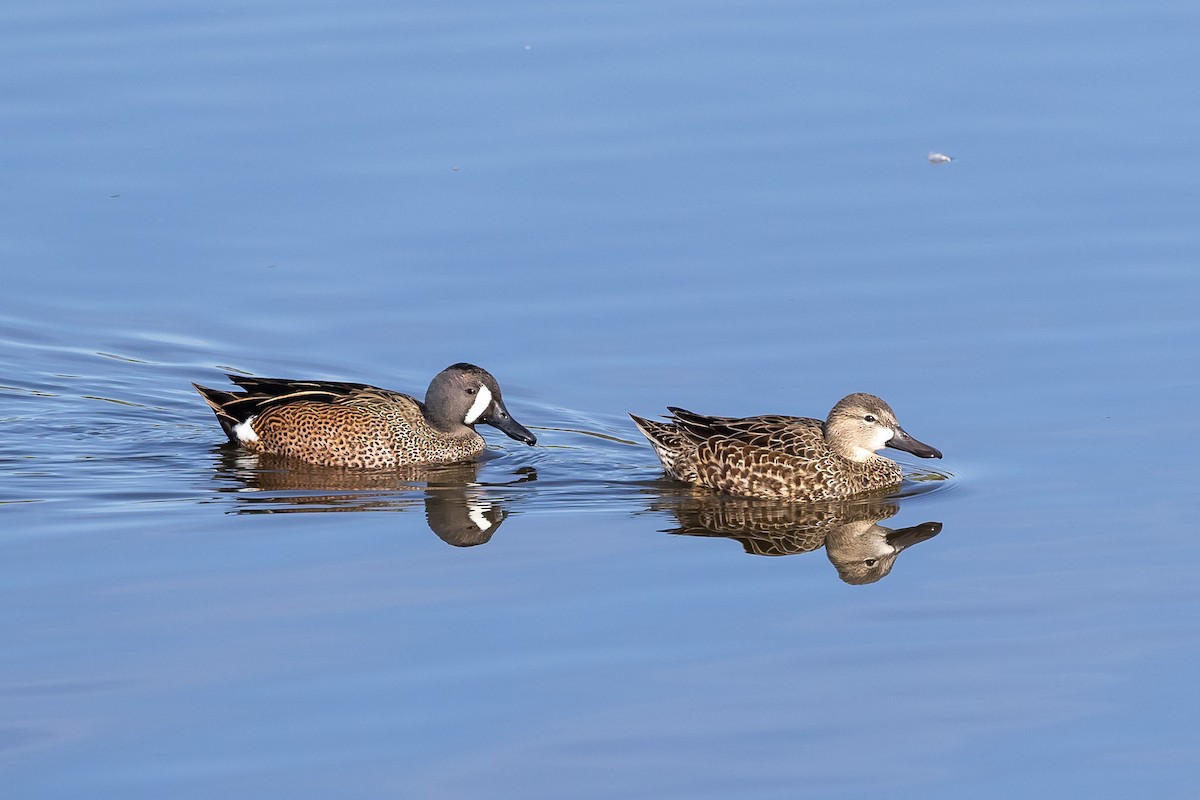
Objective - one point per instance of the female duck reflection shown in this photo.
(460, 509)
(861, 550)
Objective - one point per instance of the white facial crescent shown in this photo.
(483, 401)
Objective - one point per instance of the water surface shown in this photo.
(614, 207)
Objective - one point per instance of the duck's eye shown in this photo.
(869, 417)
(870, 562)
(471, 390)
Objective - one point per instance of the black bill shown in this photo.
(902, 441)
(498, 417)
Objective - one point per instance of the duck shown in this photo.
(358, 426)
(782, 457)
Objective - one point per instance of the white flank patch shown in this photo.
(244, 432)
(482, 403)
(475, 513)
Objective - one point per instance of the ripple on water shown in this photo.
(925, 481)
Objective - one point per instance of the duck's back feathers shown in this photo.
(797, 436)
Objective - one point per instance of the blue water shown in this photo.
(614, 207)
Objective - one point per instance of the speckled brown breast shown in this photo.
(366, 430)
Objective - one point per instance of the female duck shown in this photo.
(787, 458)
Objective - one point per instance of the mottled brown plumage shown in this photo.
(787, 458)
(360, 426)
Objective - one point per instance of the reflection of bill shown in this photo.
(460, 509)
(862, 550)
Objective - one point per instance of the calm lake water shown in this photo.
(614, 207)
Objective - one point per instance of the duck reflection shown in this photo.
(862, 550)
(460, 509)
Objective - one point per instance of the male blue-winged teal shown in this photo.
(788, 458)
(355, 425)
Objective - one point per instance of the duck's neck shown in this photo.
(442, 423)
(859, 455)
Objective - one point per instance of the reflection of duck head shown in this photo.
(458, 508)
(862, 550)
(461, 517)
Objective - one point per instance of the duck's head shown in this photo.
(464, 394)
(861, 424)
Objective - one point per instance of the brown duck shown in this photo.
(355, 425)
(787, 458)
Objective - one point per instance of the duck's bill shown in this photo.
(902, 441)
(499, 418)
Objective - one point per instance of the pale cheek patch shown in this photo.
(882, 437)
(483, 401)
(244, 432)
